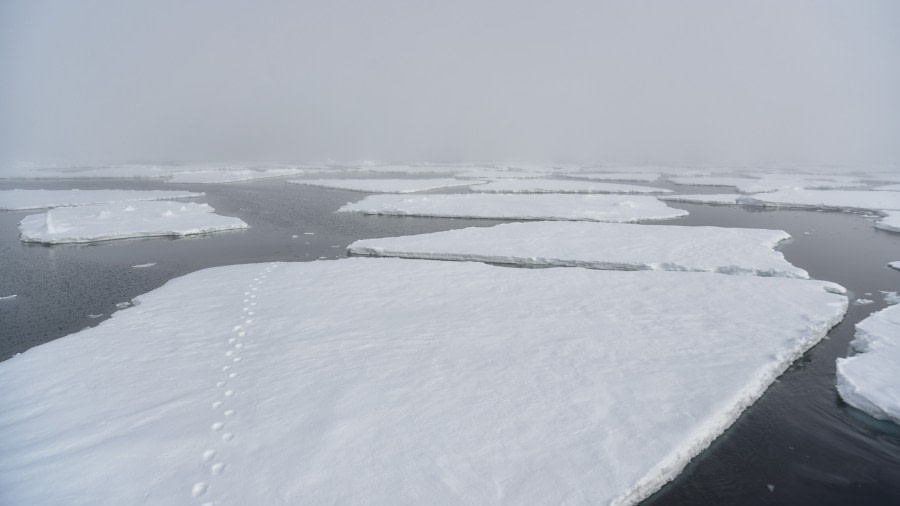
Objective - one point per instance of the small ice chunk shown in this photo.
(770, 487)
(891, 297)
(123, 305)
(295, 236)
(98, 315)
(9, 297)
(142, 266)
(863, 302)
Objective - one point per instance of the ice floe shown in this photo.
(14, 200)
(561, 186)
(599, 246)
(499, 174)
(229, 175)
(894, 265)
(8, 297)
(767, 184)
(384, 185)
(613, 208)
(648, 177)
(890, 221)
(143, 266)
(888, 188)
(720, 199)
(457, 382)
(834, 200)
(104, 222)
(868, 380)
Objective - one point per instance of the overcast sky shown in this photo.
(711, 81)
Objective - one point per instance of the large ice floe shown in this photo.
(14, 200)
(720, 199)
(833, 200)
(767, 184)
(562, 186)
(105, 222)
(385, 185)
(599, 246)
(230, 175)
(868, 380)
(613, 208)
(388, 381)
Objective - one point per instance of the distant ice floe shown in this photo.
(229, 175)
(611, 208)
(499, 174)
(648, 177)
(15, 200)
(888, 188)
(831, 200)
(868, 380)
(105, 222)
(295, 380)
(8, 297)
(766, 184)
(143, 266)
(599, 246)
(890, 221)
(384, 185)
(561, 186)
(721, 199)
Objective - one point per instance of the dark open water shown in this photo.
(799, 437)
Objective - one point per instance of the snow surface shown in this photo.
(599, 246)
(16, 200)
(384, 185)
(562, 186)
(890, 221)
(104, 222)
(377, 381)
(614, 208)
(722, 199)
(869, 379)
(767, 184)
(618, 176)
(840, 200)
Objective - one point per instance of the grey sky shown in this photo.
(711, 81)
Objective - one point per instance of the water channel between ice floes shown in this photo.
(799, 444)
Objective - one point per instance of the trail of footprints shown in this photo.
(226, 387)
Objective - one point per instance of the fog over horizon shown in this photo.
(689, 82)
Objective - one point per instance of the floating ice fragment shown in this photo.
(143, 266)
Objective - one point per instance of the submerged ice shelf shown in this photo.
(14, 200)
(289, 383)
(385, 185)
(611, 208)
(103, 222)
(868, 380)
(599, 246)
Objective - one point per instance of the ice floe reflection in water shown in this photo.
(799, 438)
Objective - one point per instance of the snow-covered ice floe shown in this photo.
(105, 222)
(599, 246)
(384, 185)
(888, 188)
(229, 175)
(721, 199)
(869, 379)
(894, 265)
(613, 208)
(8, 297)
(890, 221)
(647, 177)
(562, 186)
(143, 266)
(14, 200)
(377, 381)
(766, 184)
(832, 200)
(499, 174)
